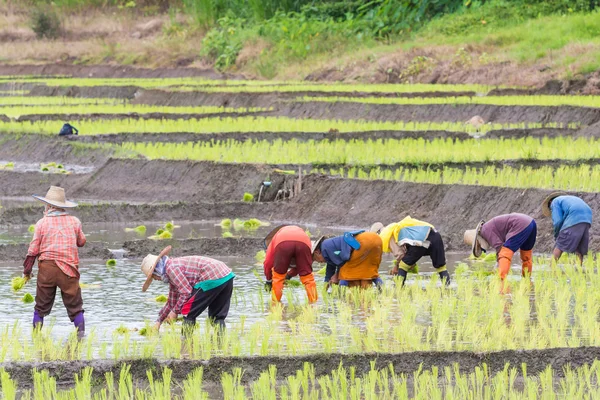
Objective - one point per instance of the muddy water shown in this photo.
(43, 168)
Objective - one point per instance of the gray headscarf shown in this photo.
(160, 269)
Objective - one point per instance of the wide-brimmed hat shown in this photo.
(546, 204)
(56, 197)
(149, 264)
(376, 227)
(272, 234)
(475, 240)
(317, 243)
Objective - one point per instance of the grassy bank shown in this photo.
(445, 41)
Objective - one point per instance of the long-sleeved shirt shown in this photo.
(57, 238)
(568, 211)
(336, 251)
(183, 273)
(499, 229)
(287, 233)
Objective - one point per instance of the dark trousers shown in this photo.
(217, 300)
(435, 251)
(293, 252)
(50, 277)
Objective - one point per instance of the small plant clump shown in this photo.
(248, 197)
(140, 230)
(28, 298)
(165, 235)
(227, 235)
(260, 256)
(226, 223)
(31, 228)
(17, 283)
(161, 298)
(111, 263)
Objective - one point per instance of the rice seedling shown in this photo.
(225, 223)
(90, 285)
(161, 298)
(122, 330)
(373, 152)
(169, 226)
(248, 197)
(140, 230)
(254, 223)
(165, 235)
(28, 298)
(260, 256)
(17, 283)
(111, 263)
(227, 235)
(8, 165)
(258, 124)
(31, 228)
(54, 101)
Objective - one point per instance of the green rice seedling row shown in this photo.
(258, 124)
(545, 101)
(370, 152)
(54, 101)
(583, 178)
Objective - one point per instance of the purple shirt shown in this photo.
(501, 228)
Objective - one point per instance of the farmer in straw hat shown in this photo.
(195, 284)
(506, 234)
(55, 241)
(288, 253)
(571, 220)
(409, 240)
(352, 259)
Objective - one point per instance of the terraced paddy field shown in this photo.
(188, 151)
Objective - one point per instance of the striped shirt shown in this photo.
(56, 238)
(183, 274)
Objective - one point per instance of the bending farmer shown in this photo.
(409, 240)
(352, 259)
(288, 246)
(195, 284)
(55, 243)
(506, 234)
(571, 219)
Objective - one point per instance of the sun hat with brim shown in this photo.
(546, 204)
(376, 227)
(149, 264)
(272, 234)
(56, 197)
(474, 239)
(317, 243)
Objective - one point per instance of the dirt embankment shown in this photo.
(405, 363)
(102, 92)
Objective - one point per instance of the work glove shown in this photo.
(28, 265)
(268, 286)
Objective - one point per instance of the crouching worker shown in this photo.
(571, 220)
(55, 243)
(506, 234)
(288, 253)
(409, 240)
(195, 284)
(352, 259)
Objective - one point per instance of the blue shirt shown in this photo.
(568, 211)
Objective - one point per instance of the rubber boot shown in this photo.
(38, 321)
(277, 289)
(504, 260)
(444, 275)
(79, 323)
(526, 262)
(310, 286)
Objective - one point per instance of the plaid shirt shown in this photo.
(57, 238)
(185, 272)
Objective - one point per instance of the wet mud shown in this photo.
(404, 363)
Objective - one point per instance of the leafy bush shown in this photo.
(223, 43)
(45, 22)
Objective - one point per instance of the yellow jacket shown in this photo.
(393, 231)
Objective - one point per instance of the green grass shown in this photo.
(371, 152)
(254, 124)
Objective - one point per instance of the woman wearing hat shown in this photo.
(352, 259)
(409, 240)
(571, 220)
(55, 244)
(288, 253)
(195, 284)
(506, 234)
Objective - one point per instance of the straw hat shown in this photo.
(56, 197)
(475, 240)
(317, 243)
(149, 264)
(376, 227)
(546, 204)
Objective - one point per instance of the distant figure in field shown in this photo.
(55, 243)
(477, 122)
(571, 220)
(507, 234)
(68, 130)
(352, 259)
(409, 240)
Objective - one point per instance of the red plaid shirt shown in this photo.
(57, 238)
(185, 272)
